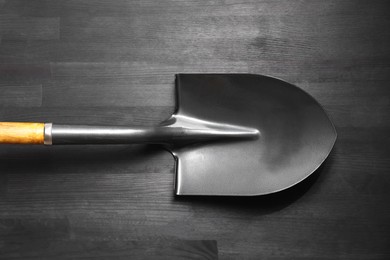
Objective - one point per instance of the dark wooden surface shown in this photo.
(113, 62)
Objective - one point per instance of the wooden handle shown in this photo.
(21, 133)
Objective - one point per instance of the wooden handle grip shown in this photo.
(21, 133)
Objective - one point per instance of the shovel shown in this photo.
(231, 134)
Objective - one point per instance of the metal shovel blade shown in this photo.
(295, 136)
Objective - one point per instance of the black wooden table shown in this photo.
(113, 62)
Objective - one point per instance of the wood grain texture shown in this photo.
(21, 133)
(21, 96)
(38, 28)
(113, 62)
(156, 250)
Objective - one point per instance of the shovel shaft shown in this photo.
(48, 133)
(169, 135)
(21, 133)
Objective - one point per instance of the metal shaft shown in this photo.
(83, 134)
